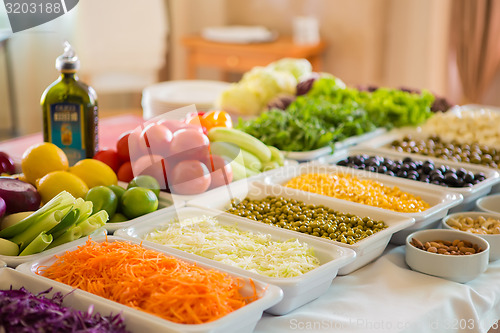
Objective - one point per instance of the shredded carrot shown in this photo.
(150, 281)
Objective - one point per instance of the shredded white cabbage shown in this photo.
(255, 252)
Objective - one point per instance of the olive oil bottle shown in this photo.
(70, 112)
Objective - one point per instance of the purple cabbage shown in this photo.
(22, 311)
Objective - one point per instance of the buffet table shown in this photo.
(387, 296)
(384, 296)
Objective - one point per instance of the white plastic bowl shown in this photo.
(242, 320)
(297, 290)
(367, 249)
(460, 269)
(489, 204)
(492, 239)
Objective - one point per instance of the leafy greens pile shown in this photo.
(329, 113)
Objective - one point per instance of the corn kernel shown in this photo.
(365, 191)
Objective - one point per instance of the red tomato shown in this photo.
(144, 162)
(157, 139)
(189, 177)
(137, 147)
(172, 124)
(189, 144)
(125, 173)
(122, 146)
(109, 157)
(221, 172)
(158, 170)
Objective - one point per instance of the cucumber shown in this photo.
(276, 155)
(241, 139)
(231, 151)
(240, 172)
(270, 166)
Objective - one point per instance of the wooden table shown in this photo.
(240, 58)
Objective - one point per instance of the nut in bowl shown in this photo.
(462, 266)
(485, 225)
(489, 204)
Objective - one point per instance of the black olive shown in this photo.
(451, 179)
(343, 162)
(382, 169)
(402, 174)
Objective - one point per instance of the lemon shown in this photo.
(42, 158)
(55, 182)
(94, 172)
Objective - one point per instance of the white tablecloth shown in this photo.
(387, 296)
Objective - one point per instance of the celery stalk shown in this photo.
(37, 245)
(65, 223)
(60, 202)
(73, 233)
(46, 223)
(85, 208)
(94, 222)
(82, 229)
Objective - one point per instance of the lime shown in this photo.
(103, 198)
(118, 217)
(118, 191)
(137, 201)
(146, 181)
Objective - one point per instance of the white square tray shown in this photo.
(165, 203)
(297, 291)
(439, 200)
(366, 249)
(14, 261)
(470, 194)
(241, 320)
(382, 142)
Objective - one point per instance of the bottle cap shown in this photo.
(68, 62)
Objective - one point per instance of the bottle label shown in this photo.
(66, 130)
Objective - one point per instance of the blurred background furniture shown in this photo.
(8, 118)
(239, 57)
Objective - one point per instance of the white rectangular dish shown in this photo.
(14, 261)
(470, 194)
(367, 249)
(440, 201)
(165, 203)
(241, 320)
(382, 143)
(297, 290)
(303, 156)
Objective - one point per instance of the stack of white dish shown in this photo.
(167, 96)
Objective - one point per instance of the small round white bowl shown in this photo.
(492, 239)
(460, 269)
(489, 204)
